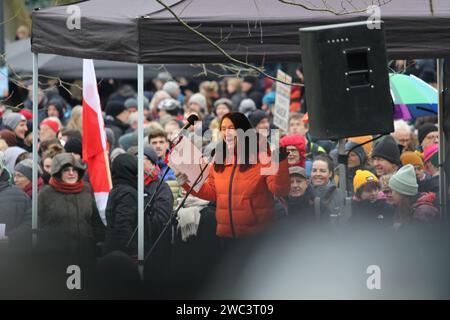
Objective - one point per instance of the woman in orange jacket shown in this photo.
(239, 182)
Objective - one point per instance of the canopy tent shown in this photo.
(258, 31)
(19, 60)
(142, 31)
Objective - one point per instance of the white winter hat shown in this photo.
(200, 100)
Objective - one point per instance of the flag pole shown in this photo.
(108, 169)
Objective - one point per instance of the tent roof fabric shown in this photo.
(142, 31)
(20, 62)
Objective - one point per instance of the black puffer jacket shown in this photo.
(121, 209)
(302, 208)
(121, 219)
(366, 213)
(157, 272)
(69, 224)
(15, 209)
(162, 206)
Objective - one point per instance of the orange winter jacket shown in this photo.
(244, 200)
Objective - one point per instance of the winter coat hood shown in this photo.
(11, 155)
(125, 170)
(4, 180)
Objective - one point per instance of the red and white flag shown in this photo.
(95, 149)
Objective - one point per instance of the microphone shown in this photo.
(190, 122)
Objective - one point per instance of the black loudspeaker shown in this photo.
(346, 79)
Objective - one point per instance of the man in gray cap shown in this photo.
(299, 181)
(17, 123)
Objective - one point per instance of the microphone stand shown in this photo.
(174, 214)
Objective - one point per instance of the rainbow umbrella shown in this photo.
(410, 94)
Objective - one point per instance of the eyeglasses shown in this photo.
(387, 191)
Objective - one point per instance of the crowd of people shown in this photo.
(392, 182)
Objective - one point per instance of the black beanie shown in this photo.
(114, 108)
(388, 150)
(74, 145)
(250, 79)
(425, 130)
(151, 154)
(256, 117)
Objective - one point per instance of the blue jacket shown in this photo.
(170, 174)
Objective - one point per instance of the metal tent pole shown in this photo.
(346, 210)
(34, 208)
(442, 177)
(140, 130)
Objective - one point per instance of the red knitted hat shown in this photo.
(52, 124)
(27, 114)
(297, 141)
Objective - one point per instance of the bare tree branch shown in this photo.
(18, 80)
(7, 98)
(327, 8)
(11, 19)
(247, 65)
(309, 6)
